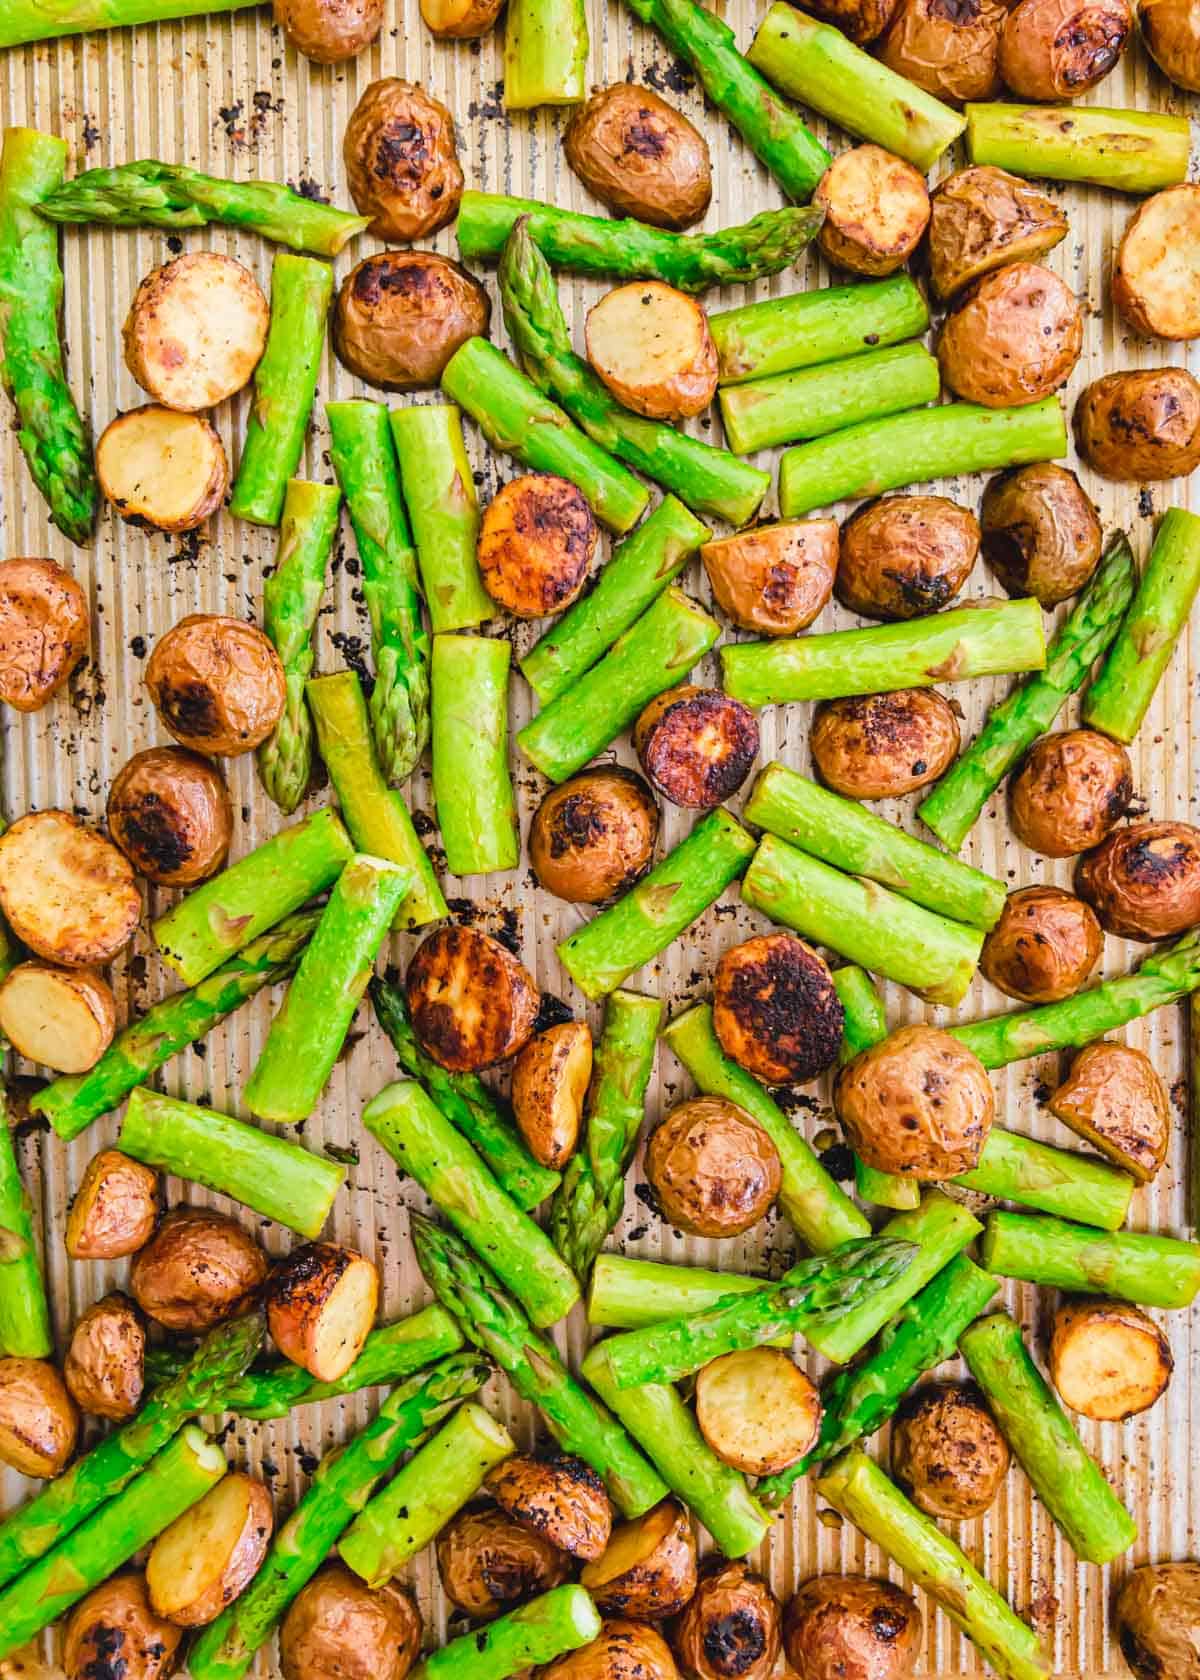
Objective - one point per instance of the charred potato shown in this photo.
(38, 1420)
(537, 540)
(62, 1018)
(66, 891)
(981, 218)
(216, 683)
(876, 210)
(1044, 946)
(860, 20)
(1058, 49)
(918, 1104)
(169, 811)
(696, 745)
(162, 468)
(593, 836)
(115, 1208)
(201, 1562)
(776, 1010)
(460, 20)
(1143, 882)
(1171, 31)
(1158, 1621)
(651, 346)
(1140, 426)
(328, 31)
(904, 556)
(879, 746)
(1156, 276)
(401, 315)
(339, 1627)
(757, 1410)
(103, 1368)
(640, 156)
(44, 631)
(549, 1082)
(321, 1304)
(401, 161)
(560, 1497)
(1041, 535)
(624, 1650)
(113, 1634)
(776, 578)
(1115, 1100)
(714, 1171)
(648, 1568)
(730, 1630)
(948, 1452)
(842, 1626)
(472, 1003)
(197, 1269)
(1070, 792)
(1108, 1359)
(951, 48)
(1013, 338)
(488, 1562)
(196, 329)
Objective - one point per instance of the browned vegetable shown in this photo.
(696, 745)
(38, 1419)
(757, 1410)
(217, 684)
(593, 836)
(982, 217)
(1171, 31)
(488, 1562)
(1013, 338)
(1044, 946)
(1113, 1097)
(460, 20)
(340, 1629)
(196, 329)
(549, 1082)
(776, 1010)
(948, 1452)
(651, 346)
(1143, 882)
(197, 1269)
(1058, 49)
(559, 1497)
(713, 1170)
(113, 1629)
(537, 540)
(861, 20)
(1041, 535)
(640, 156)
(624, 1650)
(401, 315)
(879, 746)
(63, 1018)
(44, 631)
(776, 578)
(904, 556)
(103, 1368)
(918, 1103)
(328, 31)
(1108, 1359)
(170, 813)
(158, 467)
(401, 162)
(876, 209)
(1070, 793)
(730, 1630)
(321, 1304)
(201, 1562)
(845, 1627)
(1156, 275)
(950, 48)
(472, 1003)
(115, 1208)
(648, 1569)
(1143, 425)
(67, 891)
(1157, 1617)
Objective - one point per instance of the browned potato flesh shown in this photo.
(340, 1629)
(838, 1626)
(1171, 31)
(1156, 276)
(201, 1562)
(44, 630)
(196, 330)
(757, 1410)
(328, 31)
(401, 161)
(460, 20)
(623, 1650)
(1143, 882)
(198, 1268)
(1044, 946)
(62, 1018)
(1058, 49)
(651, 346)
(1116, 1101)
(38, 1419)
(775, 1009)
(488, 1562)
(879, 746)
(648, 1569)
(640, 156)
(714, 1171)
(401, 315)
(472, 1003)
(593, 836)
(561, 1498)
(1157, 1614)
(1013, 338)
(948, 1451)
(103, 1368)
(162, 468)
(1108, 1359)
(537, 540)
(696, 745)
(917, 1104)
(1070, 792)
(904, 556)
(981, 218)
(1139, 426)
(321, 1304)
(115, 1208)
(951, 48)
(169, 811)
(66, 891)
(876, 210)
(550, 1081)
(776, 578)
(1041, 534)
(730, 1630)
(115, 1628)
(217, 684)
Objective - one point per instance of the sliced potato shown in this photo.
(460, 20)
(202, 1561)
(775, 1009)
(651, 346)
(550, 1081)
(38, 1419)
(876, 209)
(536, 542)
(44, 631)
(321, 1305)
(62, 1018)
(196, 330)
(329, 31)
(1156, 277)
(559, 1497)
(67, 891)
(162, 468)
(1114, 1098)
(472, 1003)
(757, 1410)
(105, 1363)
(1108, 1359)
(648, 1569)
(981, 218)
(115, 1208)
(696, 745)
(775, 578)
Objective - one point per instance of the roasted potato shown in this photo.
(488, 1562)
(559, 1497)
(38, 1420)
(460, 20)
(217, 684)
(879, 746)
(860, 20)
(652, 348)
(1171, 31)
(648, 1569)
(103, 1368)
(876, 210)
(401, 315)
(757, 1410)
(1012, 338)
(170, 813)
(951, 48)
(62, 1018)
(904, 556)
(730, 1630)
(1140, 426)
(115, 1208)
(696, 745)
(1044, 946)
(201, 1562)
(640, 156)
(593, 837)
(198, 1268)
(196, 328)
(918, 1104)
(1070, 792)
(1143, 881)
(162, 468)
(44, 631)
(981, 218)
(1108, 1359)
(948, 1452)
(1058, 49)
(714, 1171)
(624, 1650)
(1113, 1097)
(537, 540)
(472, 1003)
(1158, 1621)
(321, 1304)
(66, 891)
(1041, 535)
(340, 1629)
(1156, 275)
(776, 1010)
(776, 578)
(845, 1627)
(549, 1082)
(113, 1634)
(401, 161)
(328, 31)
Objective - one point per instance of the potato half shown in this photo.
(62, 1018)
(1171, 31)
(38, 1419)
(115, 1208)
(651, 346)
(104, 1366)
(44, 630)
(401, 161)
(842, 1625)
(549, 1082)
(775, 578)
(321, 1304)
(1156, 276)
(876, 209)
(115, 1628)
(1108, 1359)
(159, 467)
(981, 218)
(640, 156)
(1041, 533)
(648, 1568)
(201, 1562)
(537, 540)
(197, 1269)
(1114, 1098)
(559, 1497)
(696, 745)
(881, 746)
(1140, 425)
(196, 330)
(904, 556)
(1058, 49)
(776, 1010)
(169, 811)
(757, 1410)
(67, 892)
(329, 31)
(460, 20)
(472, 1003)
(1013, 338)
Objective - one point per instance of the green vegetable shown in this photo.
(563, 1619)
(476, 806)
(31, 20)
(1132, 151)
(1020, 1169)
(439, 491)
(24, 1313)
(629, 1294)
(1132, 1265)
(865, 1023)
(809, 402)
(545, 53)
(805, 329)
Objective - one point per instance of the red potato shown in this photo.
(114, 1629)
(67, 892)
(321, 1304)
(197, 1269)
(876, 209)
(115, 1208)
(202, 1561)
(471, 1002)
(44, 631)
(775, 578)
(39, 1421)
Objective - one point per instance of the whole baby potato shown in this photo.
(104, 1364)
(774, 578)
(488, 1562)
(338, 1628)
(401, 161)
(1158, 1621)
(1013, 338)
(557, 1496)
(1041, 535)
(951, 48)
(196, 1270)
(38, 1420)
(169, 812)
(1140, 425)
(623, 1650)
(838, 1626)
(948, 1451)
(114, 1634)
(1058, 49)
(1044, 946)
(1143, 882)
(879, 746)
(1070, 793)
(730, 1630)
(401, 315)
(328, 31)
(713, 1169)
(593, 836)
(918, 1104)
(640, 156)
(1171, 31)
(115, 1208)
(904, 556)
(217, 684)
(44, 630)
(859, 20)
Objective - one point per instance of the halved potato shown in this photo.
(104, 1366)
(115, 1208)
(1114, 1098)
(44, 629)
(775, 578)
(196, 330)
(170, 813)
(648, 1569)
(550, 1081)
(696, 745)
(1156, 277)
(162, 468)
(559, 1497)
(67, 892)
(472, 1003)
(201, 1562)
(651, 346)
(775, 1009)
(876, 209)
(981, 218)
(460, 20)
(1108, 1359)
(62, 1018)
(757, 1410)
(321, 1305)
(536, 542)
(488, 1562)
(38, 1419)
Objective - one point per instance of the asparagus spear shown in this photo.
(708, 480)
(1060, 1181)
(224, 1649)
(1133, 1265)
(629, 1294)
(545, 53)
(809, 402)
(476, 806)
(808, 328)
(31, 20)
(563, 1619)
(514, 416)
(364, 459)
(438, 1480)
(24, 1313)
(864, 1022)
(1194, 1109)
(631, 932)
(423, 1143)
(307, 1034)
(52, 436)
(952, 808)
(492, 1320)
(1132, 151)
(440, 493)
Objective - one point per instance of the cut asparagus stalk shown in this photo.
(808, 328)
(1133, 1265)
(861, 1491)
(30, 20)
(423, 1143)
(564, 1619)
(952, 808)
(439, 491)
(1133, 151)
(477, 811)
(629, 1294)
(545, 53)
(276, 1178)
(817, 1207)
(1065, 1477)
(864, 1022)
(909, 448)
(24, 1313)
(1059, 1181)
(307, 1034)
(1194, 1109)
(514, 416)
(631, 932)
(808, 402)
(438, 1480)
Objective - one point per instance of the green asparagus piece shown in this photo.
(908, 448)
(1194, 1109)
(1132, 151)
(224, 1650)
(632, 932)
(809, 402)
(629, 1294)
(74, 1101)
(52, 436)
(1060, 1181)
(492, 1320)
(24, 1313)
(545, 53)
(808, 328)
(563, 1619)
(438, 1480)
(364, 459)
(819, 1209)
(33, 20)
(864, 1022)
(708, 480)
(439, 491)
(952, 808)
(307, 1034)
(860, 1490)
(514, 416)
(423, 1143)
(476, 806)
(1133, 1265)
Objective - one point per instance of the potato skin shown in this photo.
(549, 1082)
(860, 20)
(460, 20)
(659, 1582)
(401, 315)
(559, 1497)
(44, 631)
(845, 1627)
(537, 540)
(1044, 946)
(169, 812)
(216, 683)
(328, 31)
(488, 1562)
(876, 209)
(1131, 1376)
(948, 1452)
(951, 48)
(714, 1171)
(904, 556)
(1013, 338)
(339, 1626)
(472, 1003)
(1157, 1615)
(39, 1423)
(306, 1296)
(730, 1630)
(623, 1650)
(196, 328)
(115, 1208)
(103, 1364)
(640, 156)
(1041, 535)
(776, 1011)
(196, 1270)
(775, 578)
(879, 746)
(918, 1104)
(1156, 274)
(696, 745)
(1171, 31)
(231, 1556)
(116, 1617)
(650, 345)
(1058, 49)
(1140, 425)
(1070, 792)
(1114, 1098)
(982, 217)
(593, 837)
(1143, 882)
(402, 165)
(67, 892)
